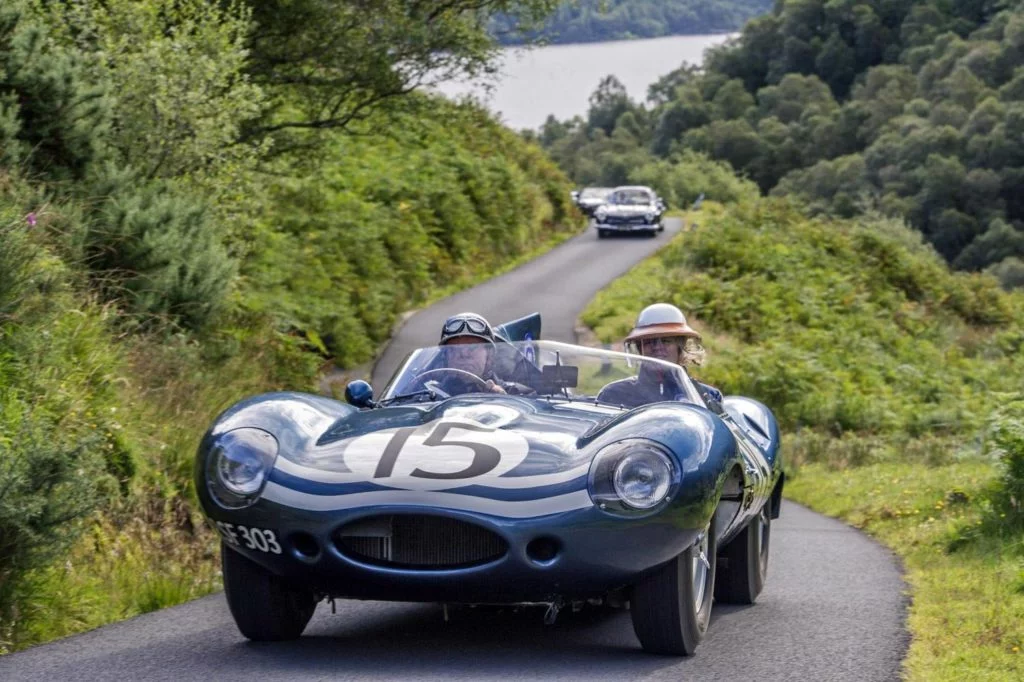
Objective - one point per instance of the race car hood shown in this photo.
(501, 455)
(532, 438)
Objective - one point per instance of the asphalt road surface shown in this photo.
(558, 285)
(833, 607)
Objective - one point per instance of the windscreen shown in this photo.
(542, 369)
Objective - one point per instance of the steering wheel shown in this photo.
(456, 378)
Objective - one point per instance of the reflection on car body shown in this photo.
(440, 492)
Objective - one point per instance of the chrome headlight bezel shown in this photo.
(601, 212)
(238, 465)
(650, 217)
(607, 486)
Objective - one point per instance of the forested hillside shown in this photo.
(899, 389)
(585, 21)
(913, 109)
(189, 214)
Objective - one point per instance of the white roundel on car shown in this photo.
(443, 454)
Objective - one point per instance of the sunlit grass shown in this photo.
(127, 563)
(966, 577)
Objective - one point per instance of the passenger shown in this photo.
(660, 332)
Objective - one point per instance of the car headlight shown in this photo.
(632, 476)
(650, 216)
(601, 212)
(238, 464)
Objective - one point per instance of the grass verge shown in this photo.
(967, 586)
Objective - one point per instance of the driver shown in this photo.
(468, 345)
(660, 332)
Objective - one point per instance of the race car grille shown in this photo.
(625, 220)
(419, 542)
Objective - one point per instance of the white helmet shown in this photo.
(662, 320)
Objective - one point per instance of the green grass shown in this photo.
(966, 616)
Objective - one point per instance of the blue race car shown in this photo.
(445, 491)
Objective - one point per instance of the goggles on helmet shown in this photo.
(474, 325)
(466, 325)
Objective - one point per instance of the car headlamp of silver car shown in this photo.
(650, 216)
(632, 476)
(238, 464)
(601, 212)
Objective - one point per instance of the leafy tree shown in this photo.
(54, 117)
(607, 103)
(330, 63)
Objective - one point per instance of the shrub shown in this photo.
(1006, 441)
(157, 250)
(53, 117)
(48, 484)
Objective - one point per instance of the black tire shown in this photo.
(666, 616)
(266, 608)
(743, 563)
(601, 234)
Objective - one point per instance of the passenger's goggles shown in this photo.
(474, 325)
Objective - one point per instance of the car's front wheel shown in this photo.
(266, 608)
(601, 234)
(744, 564)
(671, 606)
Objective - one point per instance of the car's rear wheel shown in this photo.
(671, 607)
(743, 563)
(266, 608)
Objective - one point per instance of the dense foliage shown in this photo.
(897, 383)
(913, 109)
(839, 326)
(160, 258)
(584, 21)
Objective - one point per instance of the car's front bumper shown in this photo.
(628, 227)
(595, 553)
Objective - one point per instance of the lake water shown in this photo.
(559, 79)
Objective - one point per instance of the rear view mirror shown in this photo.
(555, 378)
(360, 394)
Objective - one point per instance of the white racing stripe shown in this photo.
(514, 510)
(504, 482)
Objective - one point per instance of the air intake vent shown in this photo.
(419, 542)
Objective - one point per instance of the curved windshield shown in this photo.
(543, 369)
(631, 197)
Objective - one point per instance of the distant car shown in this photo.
(589, 198)
(632, 209)
(442, 491)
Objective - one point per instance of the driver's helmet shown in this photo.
(665, 321)
(466, 324)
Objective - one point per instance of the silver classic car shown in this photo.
(630, 209)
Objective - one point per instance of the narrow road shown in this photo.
(558, 285)
(833, 607)
(831, 610)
